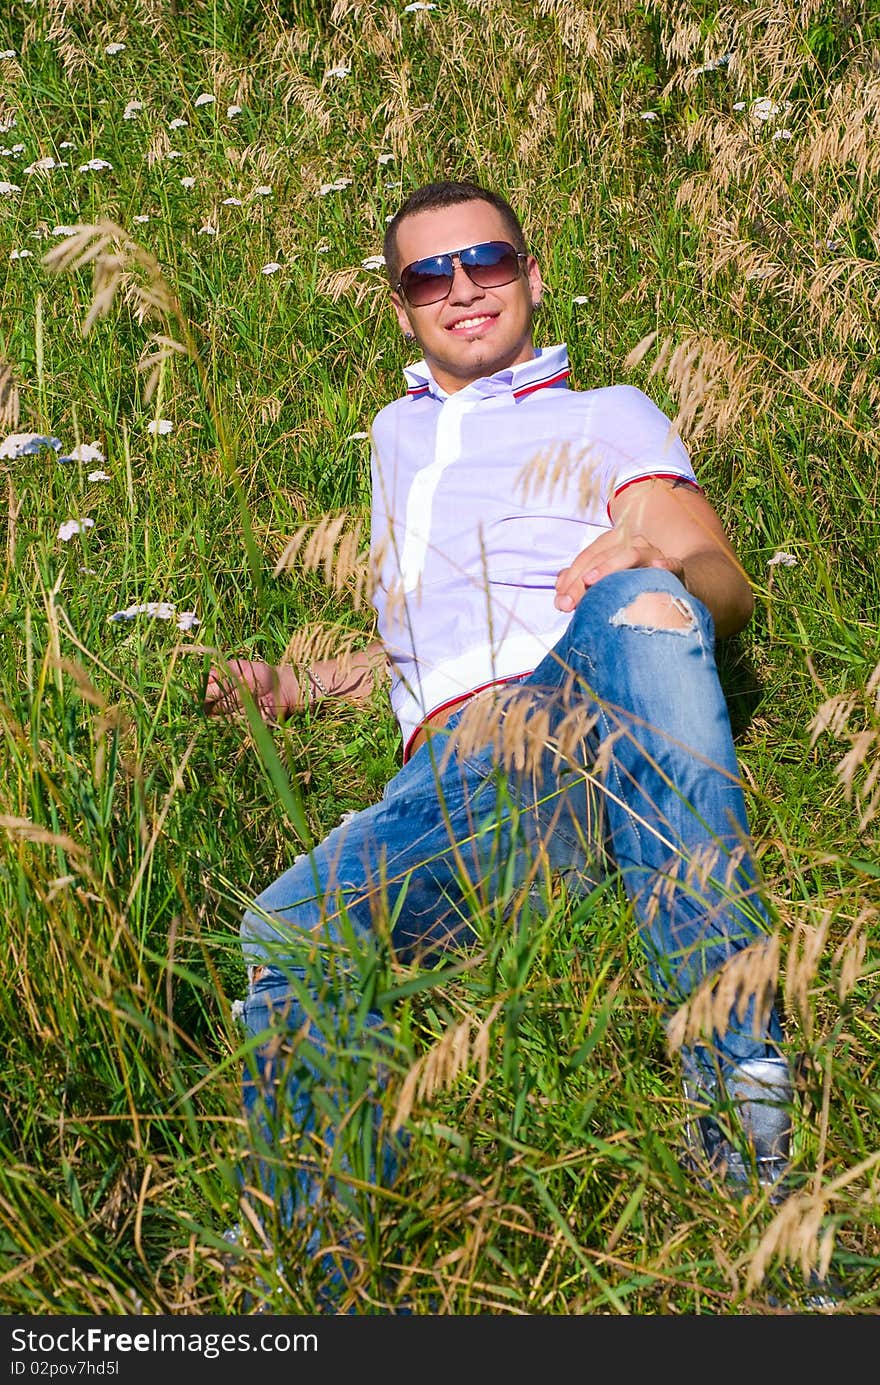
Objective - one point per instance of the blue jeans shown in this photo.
(626, 759)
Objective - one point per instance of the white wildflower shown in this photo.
(373, 262)
(7, 124)
(27, 444)
(7, 188)
(21, 254)
(178, 123)
(339, 71)
(132, 109)
(648, 115)
(417, 5)
(140, 220)
(263, 190)
(782, 134)
(187, 182)
(739, 105)
(45, 165)
(581, 298)
(207, 229)
(233, 111)
(271, 268)
(113, 48)
(782, 559)
(8, 53)
(232, 202)
(74, 526)
(64, 231)
(99, 476)
(385, 159)
(67, 144)
(94, 166)
(84, 452)
(338, 186)
(205, 99)
(160, 426)
(174, 154)
(356, 437)
(156, 610)
(188, 620)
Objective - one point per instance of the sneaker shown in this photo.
(740, 1129)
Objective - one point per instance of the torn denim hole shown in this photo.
(629, 615)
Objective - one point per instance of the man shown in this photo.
(549, 582)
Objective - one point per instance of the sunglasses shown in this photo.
(489, 265)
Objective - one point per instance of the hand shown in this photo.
(613, 551)
(275, 690)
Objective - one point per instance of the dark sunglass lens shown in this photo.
(426, 281)
(492, 264)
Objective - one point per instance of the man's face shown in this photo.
(474, 331)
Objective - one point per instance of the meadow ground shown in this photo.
(192, 200)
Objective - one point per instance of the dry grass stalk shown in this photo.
(805, 952)
(713, 387)
(859, 769)
(444, 1062)
(552, 470)
(10, 410)
(329, 546)
(749, 974)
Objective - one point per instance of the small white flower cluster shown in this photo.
(74, 526)
(132, 109)
(417, 5)
(271, 268)
(339, 71)
(46, 165)
(113, 48)
(157, 610)
(27, 444)
(338, 186)
(160, 427)
(84, 452)
(94, 166)
(373, 262)
(782, 559)
(205, 99)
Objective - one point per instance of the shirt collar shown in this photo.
(548, 367)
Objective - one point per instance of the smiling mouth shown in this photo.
(470, 324)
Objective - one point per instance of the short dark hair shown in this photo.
(432, 196)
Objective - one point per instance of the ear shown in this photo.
(402, 315)
(536, 283)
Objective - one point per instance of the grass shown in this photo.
(544, 1109)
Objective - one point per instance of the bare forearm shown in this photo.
(353, 676)
(280, 690)
(711, 577)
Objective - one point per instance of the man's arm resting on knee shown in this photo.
(662, 524)
(280, 690)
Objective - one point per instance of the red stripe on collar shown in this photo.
(555, 379)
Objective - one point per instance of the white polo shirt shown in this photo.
(479, 499)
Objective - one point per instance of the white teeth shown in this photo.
(471, 321)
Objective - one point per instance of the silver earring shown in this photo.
(409, 336)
